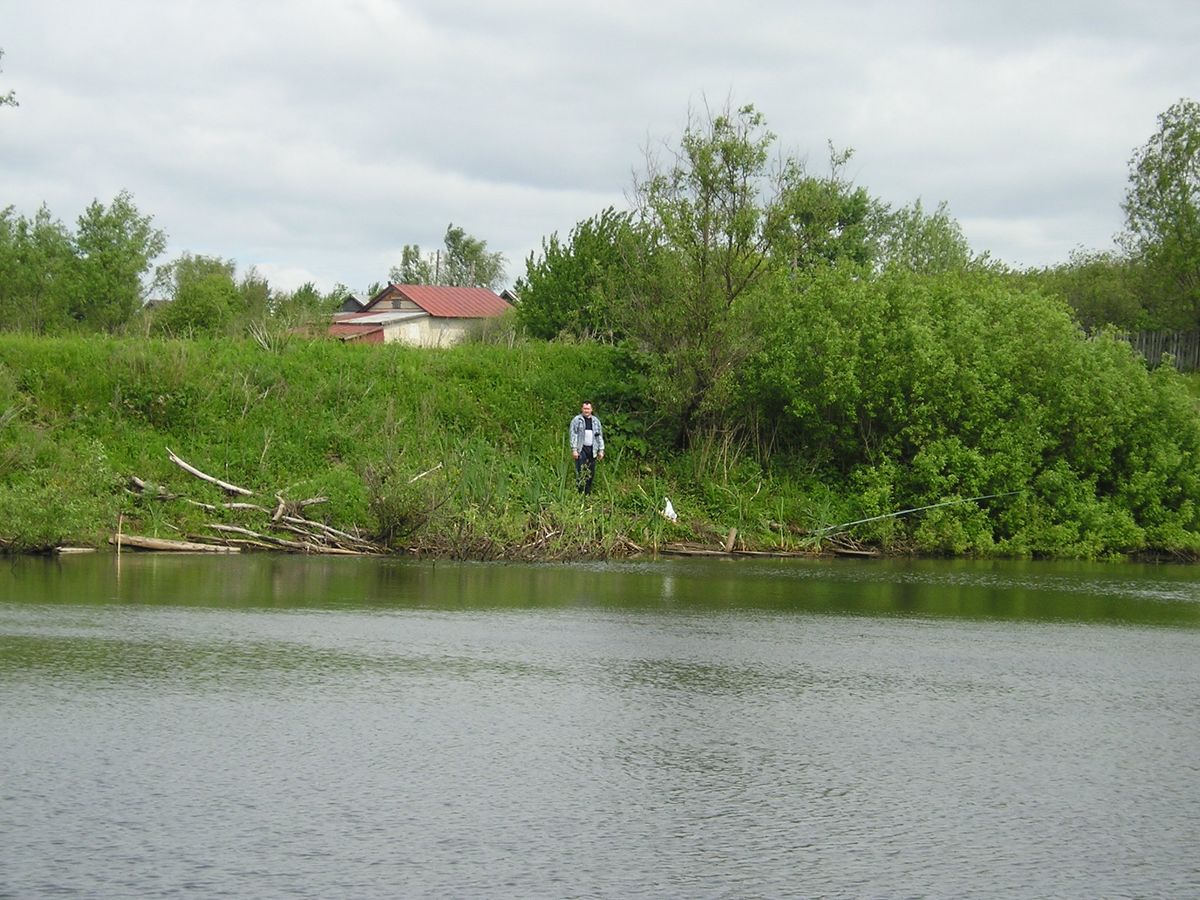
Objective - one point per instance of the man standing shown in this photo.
(587, 445)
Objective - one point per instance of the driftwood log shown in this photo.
(151, 543)
(304, 535)
(223, 485)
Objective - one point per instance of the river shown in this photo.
(270, 726)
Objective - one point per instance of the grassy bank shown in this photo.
(80, 416)
(459, 452)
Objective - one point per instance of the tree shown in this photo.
(708, 204)
(255, 293)
(821, 221)
(116, 246)
(708, 213)
(571, 287)
(204, 297)
(37, 271)
(925, 243)
(9, 99)
(415, 268)
(1162, 214)
(1103, 288)
(469, 263)
(466, 262)
(189, 268)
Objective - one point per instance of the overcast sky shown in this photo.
(314, 139)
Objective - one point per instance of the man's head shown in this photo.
(586, 409)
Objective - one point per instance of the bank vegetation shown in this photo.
(794, 363)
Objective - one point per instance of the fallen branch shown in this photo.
(271, 539)
(423, 474)
(149, 543)
(298, 546)
(330, 532)
(214, 507)
(224, 485)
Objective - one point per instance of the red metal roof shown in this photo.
(450, 302)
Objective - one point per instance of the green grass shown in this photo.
(81, 416)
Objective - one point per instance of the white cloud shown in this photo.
(314, 139)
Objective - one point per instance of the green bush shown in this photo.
(865, 397)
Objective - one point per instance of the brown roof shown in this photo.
(448, 302)
(366, 334)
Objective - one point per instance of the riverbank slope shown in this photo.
(458, 452)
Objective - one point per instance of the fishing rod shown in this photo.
(822, 531)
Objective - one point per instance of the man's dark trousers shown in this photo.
(586, 459)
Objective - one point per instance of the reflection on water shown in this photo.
(274, 726)
(1090, 592)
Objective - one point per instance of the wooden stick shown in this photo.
(328, 529)
(423, 474)
(224, 485)
(300, 546)
(235, 529)
(149, 543)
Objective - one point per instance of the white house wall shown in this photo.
(427, 331)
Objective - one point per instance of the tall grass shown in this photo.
(463, 452)
(79, 416)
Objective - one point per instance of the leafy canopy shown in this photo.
(465, 262)
(1162, 213)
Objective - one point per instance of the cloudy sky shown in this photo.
(314, 139)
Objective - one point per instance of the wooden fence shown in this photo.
(1184, 346)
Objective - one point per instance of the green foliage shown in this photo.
(255, 296)
(572, 287)
(415, 268)
(306, 304)
(823, 221)
(115, 246)
(1102, 289)
(38, 272)
(972, 388)
(708, 210)
(190, 269)
(707, 205)
(925, 243)
(466, 262)
(1162, 214)
(202, 305)
(778, 353)
(921, 390)
(686, 279)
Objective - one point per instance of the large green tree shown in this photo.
(924, 242)
(1103, 288)
(204, 296)
(465, 262)
(116, 246)
(570, 288)
(825, 220)
(710, 208)
(37, 271)
(1162, 215)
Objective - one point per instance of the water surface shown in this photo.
(280, 727)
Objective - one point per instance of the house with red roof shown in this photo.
(422, 315)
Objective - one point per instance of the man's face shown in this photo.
(586, 409)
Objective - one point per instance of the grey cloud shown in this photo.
(319, 138)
